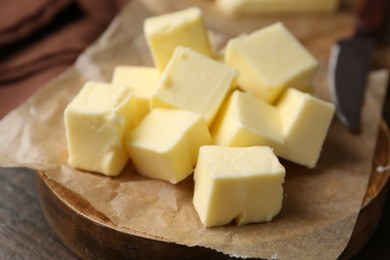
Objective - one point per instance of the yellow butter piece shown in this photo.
(237, 183)
(270, 60)
(305, 120)
(166, 143)
(143, 80)
(247, 121)
(182, 28)
(243, 7)
(194, 82)
(96, 121)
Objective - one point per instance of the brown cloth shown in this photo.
(40, 38)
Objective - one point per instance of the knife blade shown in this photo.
(350, 62)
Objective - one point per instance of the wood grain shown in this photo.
(23, 231)
(89, 234)
(375, 198)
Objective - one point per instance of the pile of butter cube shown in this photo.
(229, 120)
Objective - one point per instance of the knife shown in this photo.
(350, 60)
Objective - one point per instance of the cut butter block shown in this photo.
(166, 143)
(247, 121)
(143, 80)
(242, 7)
(194, 82)
(182, 28)
(270, 60)
(305, 120)
(96, 121)
(237, 183)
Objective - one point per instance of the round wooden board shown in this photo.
(90, 234)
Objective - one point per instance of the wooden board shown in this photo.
(88, 233)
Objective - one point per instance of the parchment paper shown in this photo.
(320, 206)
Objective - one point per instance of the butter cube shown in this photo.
(182, 28)
(237, 183)
(194, 82)
(143, 80)
(243, 7)
(247, 121)
(165, 145)
(96, 121)
(269, 61)
(305, 120)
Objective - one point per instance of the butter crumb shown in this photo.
(382, 169)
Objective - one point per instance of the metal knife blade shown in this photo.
(349, 64)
